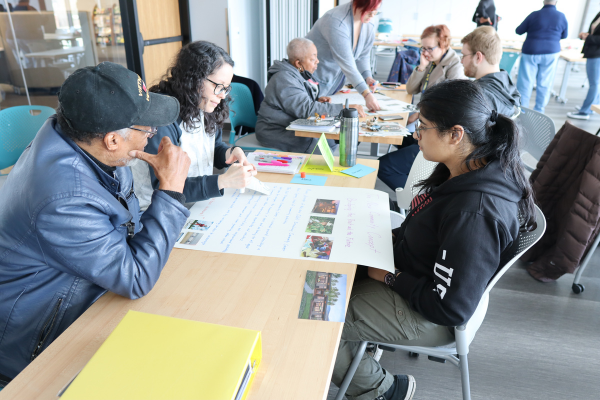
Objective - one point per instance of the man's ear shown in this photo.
(479, 57)
(112, 141)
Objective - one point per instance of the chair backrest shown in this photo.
(526, 241)
(538, 131)
(396, 219)
(18, 127)
(420, 170)
(241, 109)
(508, 60)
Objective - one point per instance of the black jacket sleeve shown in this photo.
(220, 149)
(196, 188)
(461, 272)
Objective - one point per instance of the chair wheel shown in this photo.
(413, 354)
(578, 288)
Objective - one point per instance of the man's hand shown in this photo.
(377, 274)
(238, 155)
(324, 99)
(583, 35)
(170, 165)
(371, 102)
(484, 20)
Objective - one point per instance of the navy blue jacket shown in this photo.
(545, 28)
(68, 233)
(198, 188)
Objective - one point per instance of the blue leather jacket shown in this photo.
(68, 233)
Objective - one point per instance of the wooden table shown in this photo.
(261, 293)
(571, 57)
(375, 141)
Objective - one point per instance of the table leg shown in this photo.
(375, 149)
(563, 86)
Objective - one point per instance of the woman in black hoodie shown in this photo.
(461, 228)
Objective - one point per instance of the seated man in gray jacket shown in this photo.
(291, 94)
(70, 224)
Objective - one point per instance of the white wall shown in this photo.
(208, 20)
(411, 17)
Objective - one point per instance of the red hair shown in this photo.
(441, 31)
(365, 5)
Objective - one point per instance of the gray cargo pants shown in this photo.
(377, 313)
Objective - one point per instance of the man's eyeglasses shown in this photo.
(465, 55)
(220, 88)
(418, 129)
(149, 133)
(428, 49)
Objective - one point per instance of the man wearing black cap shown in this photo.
(70, 224)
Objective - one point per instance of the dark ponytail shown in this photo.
(494, 136)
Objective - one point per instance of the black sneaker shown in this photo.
(403, 388)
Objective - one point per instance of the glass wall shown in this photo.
(42, 42)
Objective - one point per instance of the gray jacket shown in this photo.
(288, 96)
(501, 92)
(333, 35)
(449, 68)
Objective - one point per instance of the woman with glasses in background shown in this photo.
(200, 79)
(344, 37)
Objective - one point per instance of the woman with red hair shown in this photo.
(344, 37)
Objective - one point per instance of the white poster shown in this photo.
(323, 223)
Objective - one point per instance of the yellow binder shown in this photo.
(155, 357)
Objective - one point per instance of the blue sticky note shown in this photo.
(358, 171)
(309, 180)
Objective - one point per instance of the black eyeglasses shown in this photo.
(220, 88)
(418, 129)
(150, 133)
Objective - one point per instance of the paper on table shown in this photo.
(309, 180)
(358, 171)
(325, 152)
(276, 225)
(258, 186)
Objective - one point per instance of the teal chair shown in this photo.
(241, 113)
(18, 127)
(509, 58)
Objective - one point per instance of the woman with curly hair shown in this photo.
(200, 79)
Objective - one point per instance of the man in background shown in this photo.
(545, 28)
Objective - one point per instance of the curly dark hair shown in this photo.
(184, 80)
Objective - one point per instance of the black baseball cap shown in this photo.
(109, 97)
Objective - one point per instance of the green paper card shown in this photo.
(325, 152)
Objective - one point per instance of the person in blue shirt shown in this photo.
(545, 28)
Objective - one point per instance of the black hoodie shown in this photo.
(453, 241)
(500, 92)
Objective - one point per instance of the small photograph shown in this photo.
(180, 236)
(326, 206)
(200, 225)
(323, 297)
(317, 247)
(322, 225)
(191, 238)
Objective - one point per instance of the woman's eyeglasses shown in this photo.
(149, 133)
(418, 129)
(220, 88)
(428, 49)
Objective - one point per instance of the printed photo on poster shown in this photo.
(317, 247)
(191, 238)
(326, 206)
(323, 297)
(199, 225)
(322, 225)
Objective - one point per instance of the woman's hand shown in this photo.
(377, 274)
(238, 155)
(412, 118)
(324, 99)
(359, 108)
(583, 35)
(371, 102)
(237, 176)
(423, 63)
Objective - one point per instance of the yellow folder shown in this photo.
(155, 357)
